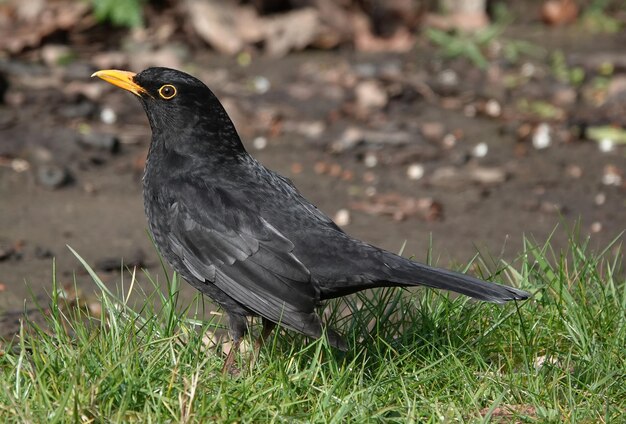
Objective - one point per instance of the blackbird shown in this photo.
(243, 234)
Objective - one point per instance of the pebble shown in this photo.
(528, 70)
(20, 165)
(448, 77)
(449, 141)
(599, 199)
(371, 95)
(261, 85)
(596, 227)
(451, 177)
(485, 175)
(606, 145)
(349, 138)
(342, 217)
(52, 176)
(493, 108)
(611, 176)
(108, 116)
(480, 150)
(542, 137)
(415, 171)
(370, 160)
(259, 143)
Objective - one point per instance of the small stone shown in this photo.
(261, 84)
(95, 308)
(606, 145)
(599, 199)
(259, 143)
(611, 176)
(349, 139)
(480, 150)
(542, 137)
(449, 141)
(493, 108)
(528, 70)
(108, 116)
(342, 217)
(52, 176)
(371, 95)
(415, 171)
(488, 175)
(370, 160)
(448, 77)
(447, 177)
(20, 165)
(596, 227)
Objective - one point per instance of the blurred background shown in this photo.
(451, 127)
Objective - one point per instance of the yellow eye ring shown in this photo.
(167, 91)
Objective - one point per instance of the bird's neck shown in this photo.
(190, 152)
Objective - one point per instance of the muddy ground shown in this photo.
(420, 153)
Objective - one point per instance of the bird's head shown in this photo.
(183, 112)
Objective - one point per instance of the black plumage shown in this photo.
(243, 234)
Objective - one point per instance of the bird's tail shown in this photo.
(419, 274)
(396, 271)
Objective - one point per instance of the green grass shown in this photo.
(416, 356)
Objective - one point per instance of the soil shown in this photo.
(301, 107)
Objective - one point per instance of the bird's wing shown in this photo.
(222, 241)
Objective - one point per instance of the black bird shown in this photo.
(243, 234)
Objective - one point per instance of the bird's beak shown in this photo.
(121, 79)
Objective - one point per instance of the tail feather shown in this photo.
(424, 275)
(393, 270)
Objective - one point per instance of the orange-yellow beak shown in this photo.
(121, 79)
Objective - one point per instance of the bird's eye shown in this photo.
(167, 91)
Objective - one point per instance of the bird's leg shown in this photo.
(268, 326)
(238, 327)
(229, 363)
